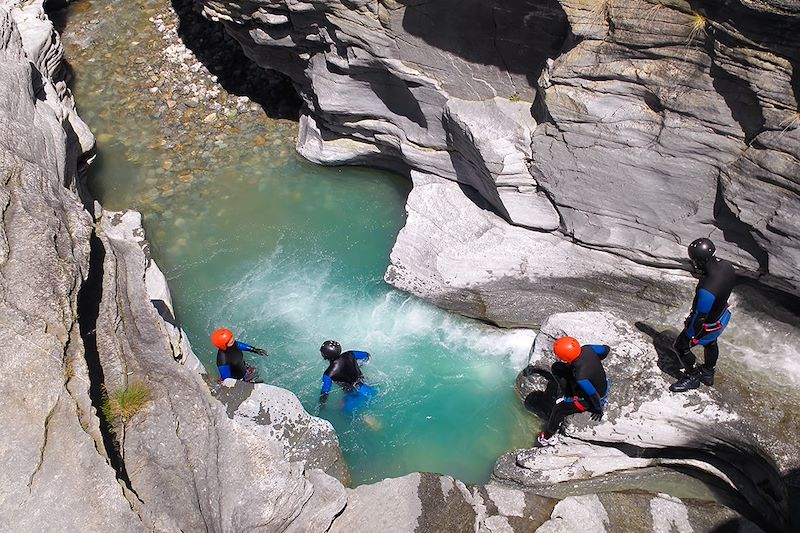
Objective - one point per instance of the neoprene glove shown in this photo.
(597, 416)
(260, 351)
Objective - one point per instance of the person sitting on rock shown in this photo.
(345, 372)
(230, 359)
(582, 381)
(707, 319)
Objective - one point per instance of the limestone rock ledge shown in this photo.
(627, 126)
(647, 426)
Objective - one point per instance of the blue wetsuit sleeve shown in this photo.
(327, 383)
(602, 350)
(361, 356)
(591, 394)
(224, 371)
(244, 347)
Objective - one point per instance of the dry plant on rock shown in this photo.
(699, 23)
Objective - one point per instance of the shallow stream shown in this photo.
(285, 253)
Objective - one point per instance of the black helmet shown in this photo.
(701, 251)
(330, 350)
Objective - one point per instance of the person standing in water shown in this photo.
(343, 370)
(708, 318)
(230, 359)
(582, 381)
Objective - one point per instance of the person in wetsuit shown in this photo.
(343, 370)
(708, 318)
(582, 381)
(230, 359)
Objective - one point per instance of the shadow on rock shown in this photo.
(518, 35)
(540, 402)
(668, 360)
(235, 72)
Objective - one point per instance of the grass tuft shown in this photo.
(120, 405)
(699, 25)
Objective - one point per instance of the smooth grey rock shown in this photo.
(467, 259)
(429, 502)
(641, 513)
(53, 477)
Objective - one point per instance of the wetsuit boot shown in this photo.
(690, 381)
(706, 376)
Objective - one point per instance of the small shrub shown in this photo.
(514, 97)
(120, 405)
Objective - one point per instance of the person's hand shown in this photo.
(260, 351)
(597, 416)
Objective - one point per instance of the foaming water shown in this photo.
(446, 401)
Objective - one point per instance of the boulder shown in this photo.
(646, 425)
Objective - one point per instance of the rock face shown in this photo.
(629, 127)
(53, 473)
(86, 314)
(646, 425)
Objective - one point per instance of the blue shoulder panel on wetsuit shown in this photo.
(587, 386)
(224, 371)
(327, 383)
(361, 356)
(600, 349)
(704, 301)
(244, 347)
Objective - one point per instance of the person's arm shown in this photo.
(224, 371)
(602, 350)
(361, 356)
(247, 348)
(591, 395)
(327, 383)
(223, 366)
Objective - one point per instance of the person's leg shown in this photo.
(683, 350)
(560, 411)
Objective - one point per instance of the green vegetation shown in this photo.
(514, 97)
(120, 405)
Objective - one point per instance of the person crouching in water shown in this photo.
(582, 381)
(230, 359)
(345, 372)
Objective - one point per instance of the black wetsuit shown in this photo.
(230, 362)
(709, 315)
(344, 371)
(583, 383)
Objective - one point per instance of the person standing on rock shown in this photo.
(343, 370)
(708, 318)
(230, 359)
(582, 381)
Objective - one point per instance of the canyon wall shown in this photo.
(613, 133)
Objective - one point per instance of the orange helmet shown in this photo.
(222, 338)
(567, 349)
